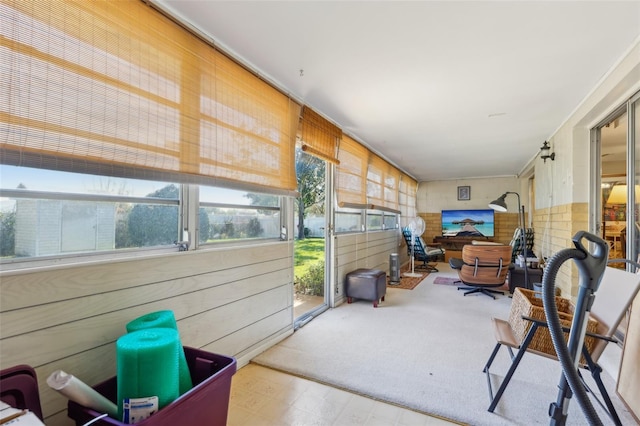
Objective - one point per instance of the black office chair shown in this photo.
(422, 252)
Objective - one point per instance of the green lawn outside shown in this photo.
(307, 252)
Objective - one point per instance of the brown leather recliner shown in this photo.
(483, 267)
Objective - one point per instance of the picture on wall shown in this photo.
(464, 193)
(615, 213)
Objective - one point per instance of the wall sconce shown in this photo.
(545, 150)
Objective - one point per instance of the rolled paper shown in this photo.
(78, 391)
(165, 319)
(147, 365)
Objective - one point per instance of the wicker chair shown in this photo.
(482, 267)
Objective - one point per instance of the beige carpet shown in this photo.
(425, 349)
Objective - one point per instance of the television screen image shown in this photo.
(468, 223)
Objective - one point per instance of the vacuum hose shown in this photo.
(591, 268)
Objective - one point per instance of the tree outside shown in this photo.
(150, 225)
(7, 233)
(309, 269)
(310, 174)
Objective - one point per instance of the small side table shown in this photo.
(516, 278)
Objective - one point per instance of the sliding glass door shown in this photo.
(634, 144)
(618, 180)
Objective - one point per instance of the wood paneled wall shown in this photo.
(232, 301)
(433, 226)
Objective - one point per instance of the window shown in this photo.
(381, 220)
(47, 213)
(374, 220)
(51, 213)
(227, 214)
(348, 220)
(353, 220)
(390, 220)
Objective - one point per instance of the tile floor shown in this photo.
(262, 396)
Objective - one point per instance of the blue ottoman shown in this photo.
(367, 284)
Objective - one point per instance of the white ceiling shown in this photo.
(444, 90)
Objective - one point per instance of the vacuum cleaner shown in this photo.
(591, 266)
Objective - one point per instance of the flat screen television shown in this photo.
(468, 223)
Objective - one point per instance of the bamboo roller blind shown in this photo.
(117, 88)
(319, 136)
(367, 180)
(351, 175)
(407, 197)
(116, 85)
(391, 187)
(375, 180)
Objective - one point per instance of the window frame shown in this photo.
(186, 209)
(217, 243)
(349, 211)
(364, 214)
